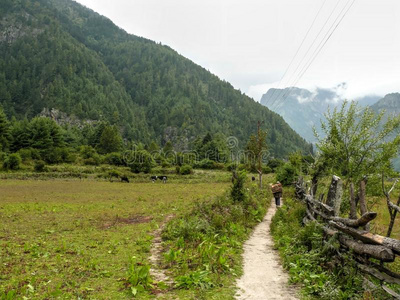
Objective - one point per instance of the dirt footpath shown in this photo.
(264, 277)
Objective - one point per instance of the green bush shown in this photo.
(3, 156)
(266, 169)
(92, 161)
(88, 152)
(275, 164)
(208, 165)
(140, 161)
(186, 170)
(12, 162)
(287, 174)
(114, 159)
(113, 173)
(232, 167)
(238, 192)
(40, 166)
(26, 154)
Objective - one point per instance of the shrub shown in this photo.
(266, 169)
(93, 161)
(12, 162)
(186, 170)
(114, 159)
(3, 156)
(232, 167)
(88, 152)
(238, 192)
(35, 154)
(205, 164)
(26, 154)
(140, 161)
(275, 163)
(113, 173)
(40, 166)
(52, 156)
(287, 174)
(165, 163)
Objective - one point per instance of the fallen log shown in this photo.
(390, 292)
(378, 252)
(364, 220)
(380, 268)
(381, 276)
(368, 237)
(327, 209)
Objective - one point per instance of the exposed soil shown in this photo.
(157, 273)
(264, 277)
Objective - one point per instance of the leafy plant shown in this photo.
(12, 162)
(139, 278)
(196, 279)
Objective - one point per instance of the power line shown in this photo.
(308, 50)
(304, 70)
(298, 49)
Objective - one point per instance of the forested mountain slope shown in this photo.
(59, 54)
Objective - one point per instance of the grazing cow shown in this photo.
(163, 178)
(153, 178)
(124, 178)
(253, 178)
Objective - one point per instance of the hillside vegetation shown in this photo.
(59, 54)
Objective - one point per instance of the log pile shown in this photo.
(352, 233)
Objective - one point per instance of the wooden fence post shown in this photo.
(335, 194)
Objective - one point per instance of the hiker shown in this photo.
(277, 191)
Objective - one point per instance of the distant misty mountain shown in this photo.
(390, 103)
(303, 109)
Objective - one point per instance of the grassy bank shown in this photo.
(311, 261)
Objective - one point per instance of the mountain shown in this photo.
(303, 110)
(57, 54)
(390, 104)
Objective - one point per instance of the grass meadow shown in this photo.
(74, 239)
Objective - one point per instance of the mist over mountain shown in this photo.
(57, 54)
(303, 109)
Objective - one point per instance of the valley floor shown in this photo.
(75, 239)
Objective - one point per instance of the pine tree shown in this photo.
(5, 136)
(110, 140)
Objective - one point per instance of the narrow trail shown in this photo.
(156, 251)
(264, 277)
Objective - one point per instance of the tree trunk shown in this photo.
(314, 183)
(335, 194)
(363, 201)
(393, 214)
(260, 178)
(353, 207)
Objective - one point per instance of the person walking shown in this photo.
(277, 191)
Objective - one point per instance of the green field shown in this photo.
(74, 239)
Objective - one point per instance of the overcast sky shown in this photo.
(250, 43)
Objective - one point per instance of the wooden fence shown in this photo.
(370, 251)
